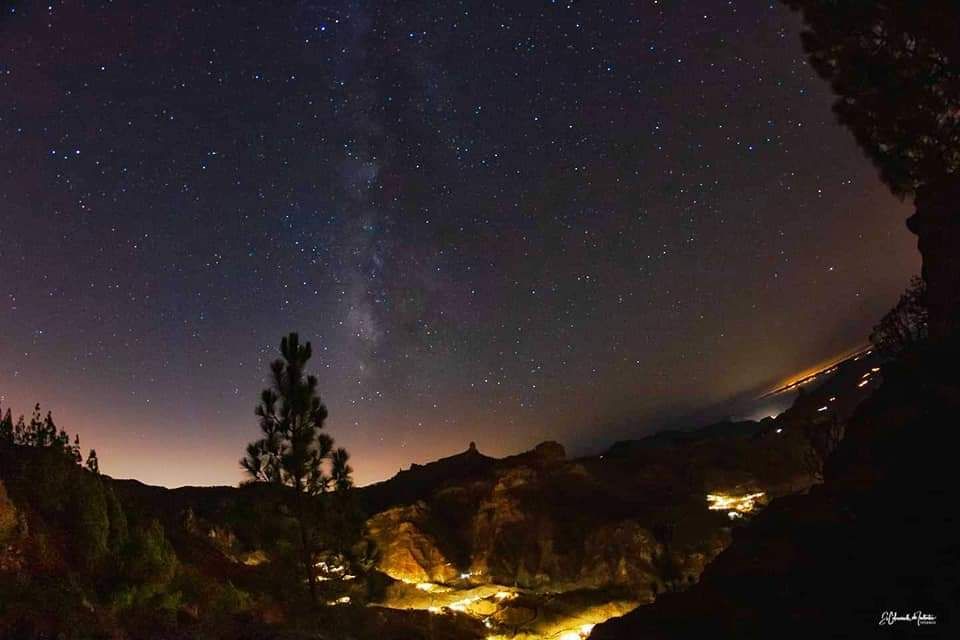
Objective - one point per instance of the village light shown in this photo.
(739, 504)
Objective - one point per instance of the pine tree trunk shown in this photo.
(305, 546)
(936, 224)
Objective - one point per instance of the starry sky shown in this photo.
(500, 222)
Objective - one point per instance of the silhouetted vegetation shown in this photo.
(893, 66)
(905, 326)
(92, 463)
(293, 451)
(74, 560)
(39, 432)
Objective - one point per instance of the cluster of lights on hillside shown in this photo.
(735, 505)
(805, 378)
(867, 377)
(327, 571)
(582, 632)
(463, 605)
(486, 603)
(827, 406)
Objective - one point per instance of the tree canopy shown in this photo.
(293, 449)
(895, 68)
(40, 431)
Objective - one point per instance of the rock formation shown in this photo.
(407, 553)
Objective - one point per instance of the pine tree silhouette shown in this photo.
(293, 450)
(6, 428)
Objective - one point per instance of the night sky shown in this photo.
(500, 222)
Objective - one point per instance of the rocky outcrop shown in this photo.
(634, 518)
(407, 552)
(621, 554)
(512, 543)
(637, 519)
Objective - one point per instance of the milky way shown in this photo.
(497, 222)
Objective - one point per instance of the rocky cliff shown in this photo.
(636, 517)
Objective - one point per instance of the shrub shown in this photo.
(150, 559)
(905, 325)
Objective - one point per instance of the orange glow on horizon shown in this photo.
(812, 373)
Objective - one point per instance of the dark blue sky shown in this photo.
(500, 222)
